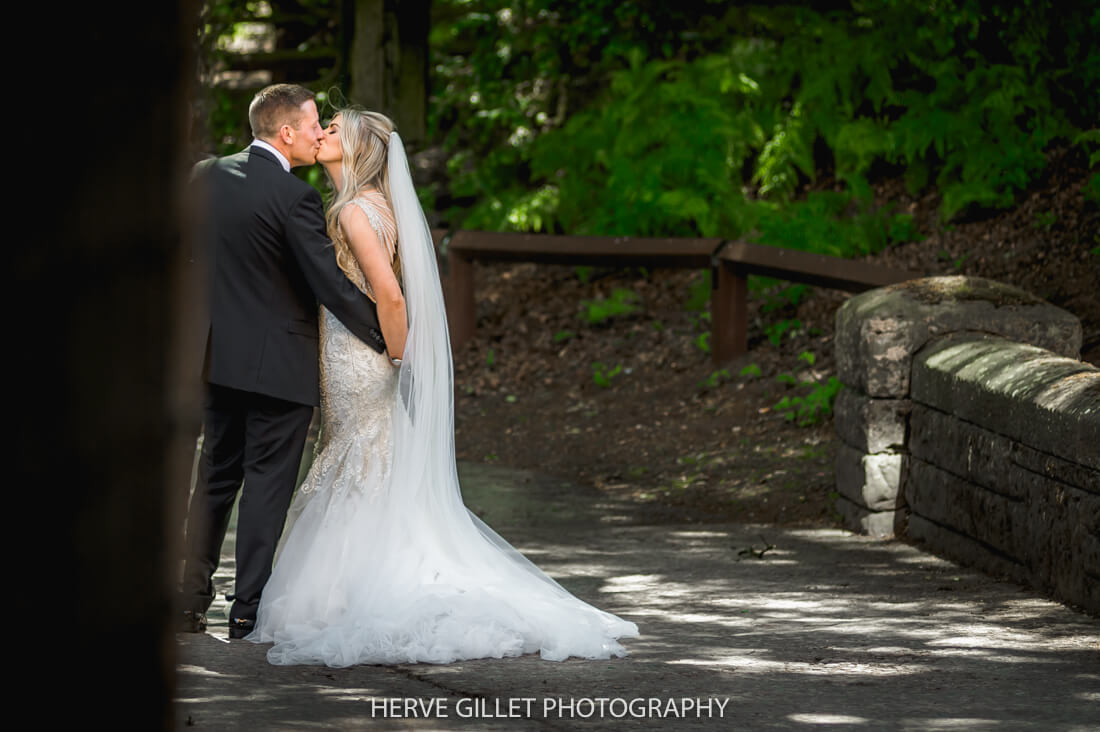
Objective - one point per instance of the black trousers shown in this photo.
(257, 441)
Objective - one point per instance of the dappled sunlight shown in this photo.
(994, 636)
(821, 609)
(809, 718)
(756, 664)
(352, 695)
(938, 723)
(632, 583)
(698, 534)
(215, 698)
(924, 561)
(1067, 392)
(202, 671)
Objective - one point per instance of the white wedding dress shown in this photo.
(380, 561)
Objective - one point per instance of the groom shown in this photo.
(269, 262)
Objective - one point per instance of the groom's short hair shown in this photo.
(275, 106)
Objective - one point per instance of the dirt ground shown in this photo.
(633, 406)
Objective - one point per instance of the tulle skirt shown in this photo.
(367, 574)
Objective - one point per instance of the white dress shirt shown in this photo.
(278, 155)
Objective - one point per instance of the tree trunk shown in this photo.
(389, 62)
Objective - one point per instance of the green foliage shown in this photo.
(654, 157)
(699, 294)
(945, 256)
(1092, 188)
(503, 72)
(715, 379)
(781, 297)
(602, 374)
(1090, 141)
(751, 371)
(702, 342)
(564, 335)
(822, 223)
(811, 407)
(1045, 220)
(776, 331)
(621, 302)
(297, 39)
(707, 119)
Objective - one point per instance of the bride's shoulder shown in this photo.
(374, 199)
(351, 213)
(367, 210)
(368, 204)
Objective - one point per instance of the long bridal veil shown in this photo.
(424, 477)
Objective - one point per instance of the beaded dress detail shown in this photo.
(376, 568)
(357, 389)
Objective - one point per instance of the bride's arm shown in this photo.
(374, 260)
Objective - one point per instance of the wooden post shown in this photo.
(729, 318)
(461, 309)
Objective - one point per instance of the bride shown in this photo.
(380, 561)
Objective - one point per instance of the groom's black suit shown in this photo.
(269, 261)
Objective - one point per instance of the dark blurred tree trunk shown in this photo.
(107, 410)
(303, 50)
(389, 62)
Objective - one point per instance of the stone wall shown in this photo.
(967, 423)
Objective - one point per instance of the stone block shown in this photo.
(871, 425)
(1049, 466)
(1001, 522)
(987, 458)
(877, 332)
(879, 524)
(949, 543)
(1031, 395)
(875, 482)
(1064, 556)
(963, 449)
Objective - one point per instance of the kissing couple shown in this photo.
(380, 562)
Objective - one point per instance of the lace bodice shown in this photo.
(357, 389)
(373, 204)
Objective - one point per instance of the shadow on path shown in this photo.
(826, 628)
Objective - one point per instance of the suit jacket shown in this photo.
(269, 261)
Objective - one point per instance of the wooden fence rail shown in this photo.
(731, 262)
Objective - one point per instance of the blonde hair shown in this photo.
(364, 144)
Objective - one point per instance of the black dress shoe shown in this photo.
(240, 627)
(192, 622)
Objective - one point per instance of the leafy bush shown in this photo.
(1090, 141)
(705, 119)
(776, 331)
(620, 302)
(811, 407)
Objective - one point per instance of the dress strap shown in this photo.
(380, 218)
